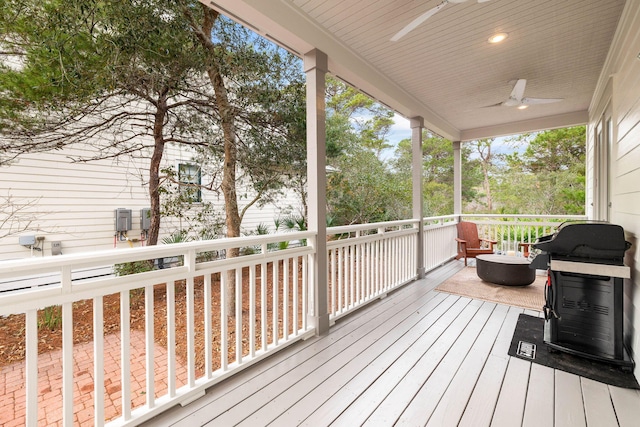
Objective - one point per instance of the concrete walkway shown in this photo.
(12, 382)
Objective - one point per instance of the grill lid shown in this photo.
(596, 240)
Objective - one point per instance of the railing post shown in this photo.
(316, 67)
(417, 123)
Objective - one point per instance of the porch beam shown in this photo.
(315, 67)
(417, 124)
(457, 178)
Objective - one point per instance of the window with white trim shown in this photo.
(190, 178)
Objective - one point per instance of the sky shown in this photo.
(402, 130)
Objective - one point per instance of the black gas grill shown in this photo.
(584, 293)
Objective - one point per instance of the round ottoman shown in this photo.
(505, 270)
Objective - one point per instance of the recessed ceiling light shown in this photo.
(497, 38)
(522, 107)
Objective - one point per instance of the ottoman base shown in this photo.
(505, 270)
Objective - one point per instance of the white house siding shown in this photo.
(74, 203)
(624, 65)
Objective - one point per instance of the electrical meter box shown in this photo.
(122, 219)
(56, 248)
(145, 218)
(27, 240)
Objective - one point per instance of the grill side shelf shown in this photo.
(621, 271)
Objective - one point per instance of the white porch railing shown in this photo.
(368, 260)
(270, 313)
(272, 307)
(509, 230)
(439, 240)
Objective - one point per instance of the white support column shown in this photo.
(457, 178)
(417, 124)
(315, 67)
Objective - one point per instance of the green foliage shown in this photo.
(548, 177)
(340, 136)
(555, 150)
(437, 159)
(295, 223)
(73, 54)
(197, 219)
(179, 236)
(134, 267)
(363, 189)
(78, 63)
(354, 117)
(262, 229)
(50, 317)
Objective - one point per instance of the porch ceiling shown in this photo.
(445, 70)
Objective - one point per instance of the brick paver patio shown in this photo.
(12, 390)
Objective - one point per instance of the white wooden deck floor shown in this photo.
(417, 357)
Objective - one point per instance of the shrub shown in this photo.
(50, 317)
(133, 267)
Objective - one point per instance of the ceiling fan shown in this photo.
(420, 19)
(516, 99)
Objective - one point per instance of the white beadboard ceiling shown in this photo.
(445, 70)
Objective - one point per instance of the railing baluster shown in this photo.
(305, 290)
(341, 289)
(368, 268)
(67, 364)
(67, 349)
(352, 276)
(171, 338)
(285, 298)
(149, 345)
(224, 345)
(238, 288)
(252, 311)
(296, 305)
(263, 301)
(98, 361)
(357, 254)
(31, 367)
(125, 354)
(191, 353)
(332, 259)
(376, 266)
(385, 263)
(394, 257)
(274, 312)
(208, 330)
(409, 269)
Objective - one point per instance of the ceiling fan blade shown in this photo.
(518, 91)
(419, 20)
(510, 103)
(499, 104)
(532, 101)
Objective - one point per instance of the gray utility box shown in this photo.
(145, 219)
(122, 219)
(27, 240)
(56, 248)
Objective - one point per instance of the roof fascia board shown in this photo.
(534, 125)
